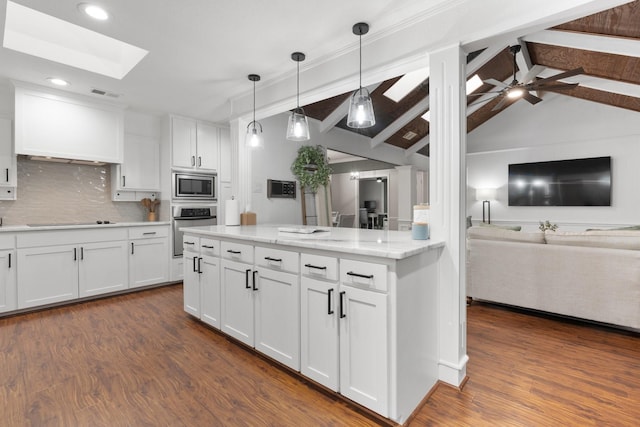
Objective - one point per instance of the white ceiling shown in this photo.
(201, 51)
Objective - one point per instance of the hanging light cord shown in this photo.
(298, 86)
(360, 37)
(254, 104)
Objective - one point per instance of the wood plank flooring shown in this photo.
(139, 360)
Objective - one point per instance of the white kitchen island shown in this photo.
(355, 310)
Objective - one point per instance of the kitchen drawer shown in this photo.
(209, 247)
(149, 232)
(277, 259)
(31, 239)
(191, 244)
(7, 241)
(236, 251)
(362, 274)
(319, 266)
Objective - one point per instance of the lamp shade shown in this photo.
(298, 127)
(361, 110)
(254, 139)
(485, 194)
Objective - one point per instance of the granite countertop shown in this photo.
(76, 226)
(380, 243)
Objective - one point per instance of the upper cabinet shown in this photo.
(140, 170)
(8, 175)
(55, 125)
(195, 144)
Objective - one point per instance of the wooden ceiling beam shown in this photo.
(591, 42)
(423, 142)
(400, 122)
(487, 55)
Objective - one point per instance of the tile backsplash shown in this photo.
(60, 192)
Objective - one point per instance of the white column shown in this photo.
(447, 186)
(406, 193)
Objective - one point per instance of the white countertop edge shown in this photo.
(350, 241)
(14, 228)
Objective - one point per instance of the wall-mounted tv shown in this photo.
(578, 182)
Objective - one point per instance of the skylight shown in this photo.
(472, 85)
(406, 84)
(38, 34)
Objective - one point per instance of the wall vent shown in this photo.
(409, 135)
(104, 93)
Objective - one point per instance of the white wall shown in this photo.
(558, 128)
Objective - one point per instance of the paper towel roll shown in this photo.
(231, 212)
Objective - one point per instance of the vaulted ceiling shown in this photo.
(606, 45)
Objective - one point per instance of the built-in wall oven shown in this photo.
(190, 216)
(193, 186)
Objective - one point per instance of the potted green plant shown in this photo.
(310, 167)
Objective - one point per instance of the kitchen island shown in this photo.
(354, 310)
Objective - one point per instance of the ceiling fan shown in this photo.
(523, 89)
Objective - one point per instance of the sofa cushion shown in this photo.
(495, 233)
(632, 227)
(504, 227)
(615, 239)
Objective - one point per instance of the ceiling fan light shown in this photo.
(515, 93)
(298, 126)
(361, 110)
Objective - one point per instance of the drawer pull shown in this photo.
(149, 233)
(329, 295)
(207, 246)
(364, 276)
(315, 266)
(189, 243)
(231, 251)
(268, 258)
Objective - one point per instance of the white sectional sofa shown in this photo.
(593, 275)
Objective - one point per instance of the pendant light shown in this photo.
(298, 127)
(254, 138)
(361, 108)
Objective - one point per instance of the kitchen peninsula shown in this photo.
(354, 310)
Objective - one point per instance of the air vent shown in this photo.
(104, 93)
(409, 135)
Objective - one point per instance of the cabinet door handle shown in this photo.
(364, 276)
(329, 298)
(246, 278)
(342, 313)
(199, 161)
(9, 260)
(149, 233)
(75, 254)
(193, 160)
(132, 250)
(207, 246)
(315, 266)
(255, 287)
(199, 266)
(81, 253)
(7, 174)
(268, 258)
(194, 264)
(231, 251)
(124, 181)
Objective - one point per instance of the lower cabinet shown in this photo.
(8, 289)
(148, 256)
(236, 286)
(96, 272)
(201, 283)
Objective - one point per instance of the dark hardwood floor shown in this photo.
(139, 360)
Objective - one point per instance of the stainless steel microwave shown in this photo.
(194, 186)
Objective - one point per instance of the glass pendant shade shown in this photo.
(361, 110)
(298, 127)
(254, 139)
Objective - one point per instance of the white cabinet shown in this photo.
(201, 284)
(236, 281)
(148, 255)
(8, 289)
(96, 268)
(49, 123)
(194, 144)
(8, 165)
(139, 172)
(364, 368)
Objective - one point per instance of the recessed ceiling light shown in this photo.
(57, 81)
(96, 12)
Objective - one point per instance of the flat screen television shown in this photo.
(578, 182)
